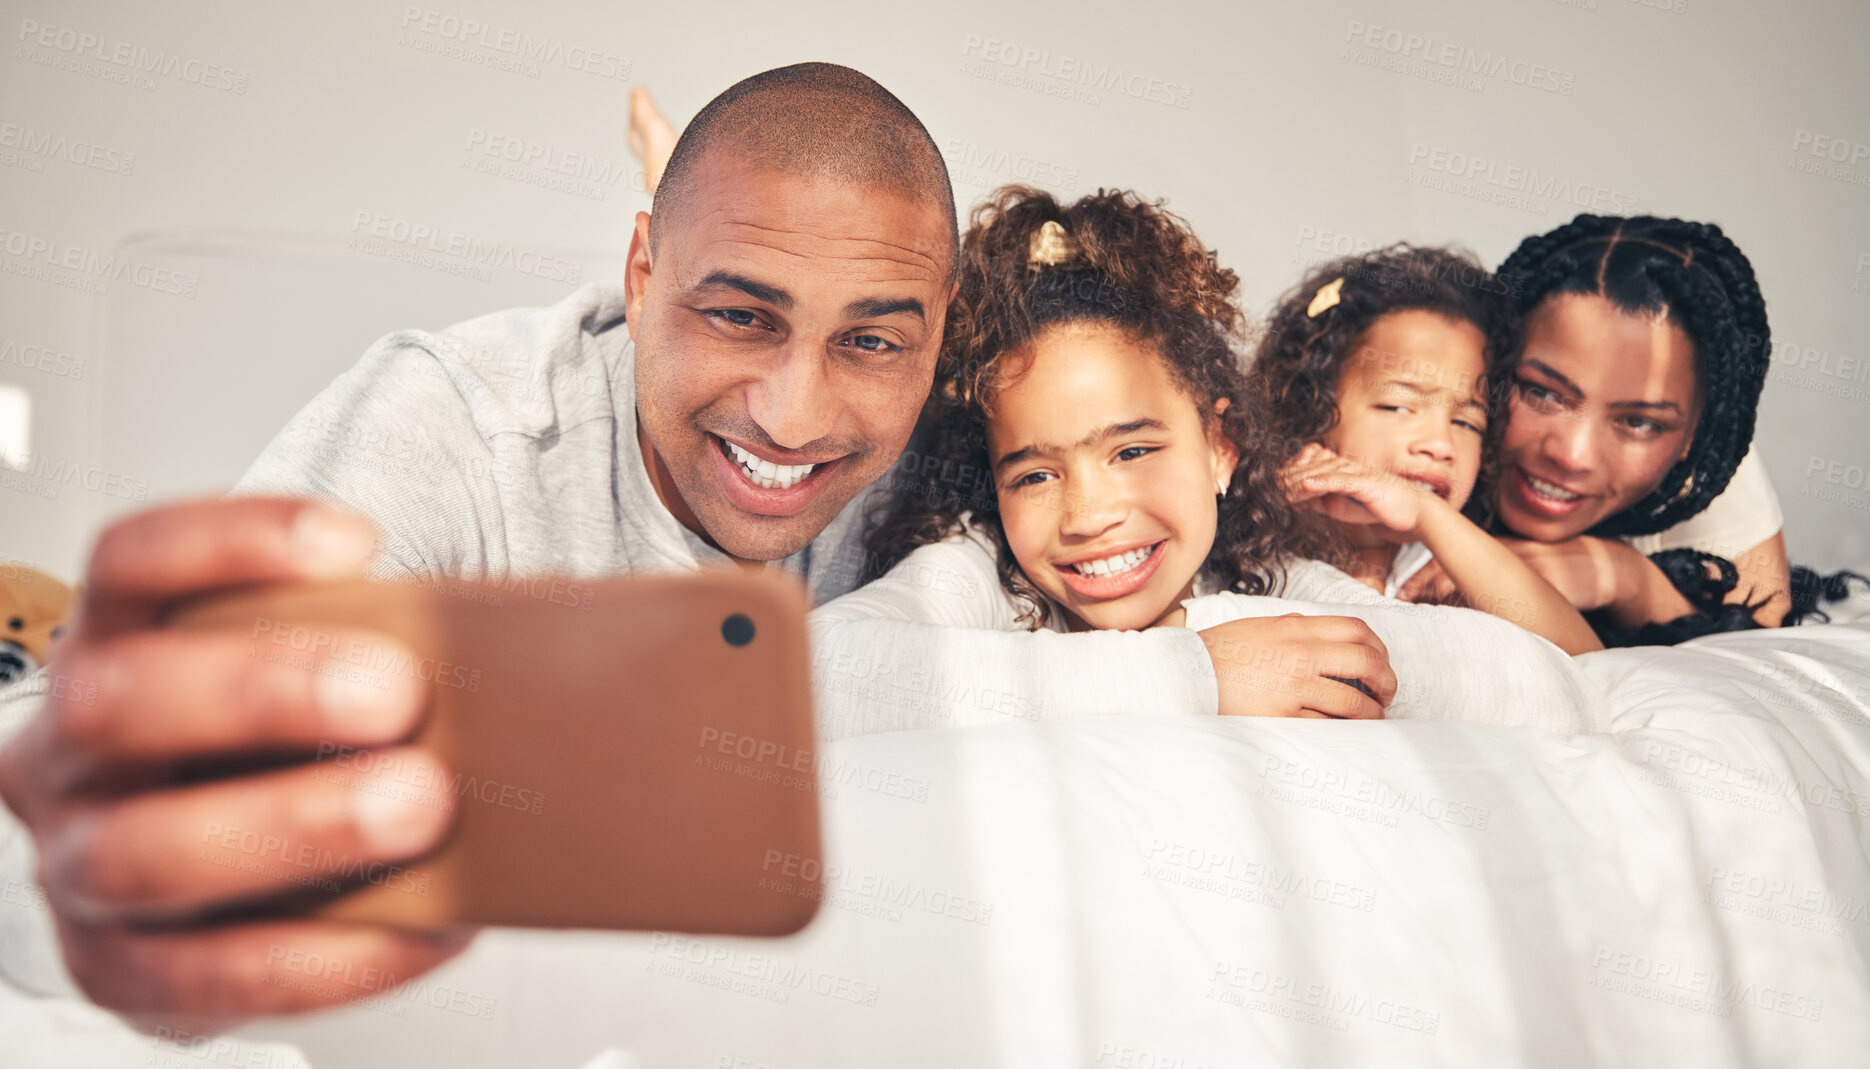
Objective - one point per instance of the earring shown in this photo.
(1220, 487)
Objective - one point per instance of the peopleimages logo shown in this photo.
(1450, 62)
(438, 26)
(425, 245)
(38, 144)
(61, 262)
(1062, 69)
(1514, 178)
(129, 57)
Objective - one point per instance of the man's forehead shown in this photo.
(814, 223)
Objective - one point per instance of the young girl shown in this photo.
(1093, 465)
(1090, 364)
(1381, 383)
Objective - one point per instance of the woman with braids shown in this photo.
(1625, 475)
(1380, 385)
(1090, 375)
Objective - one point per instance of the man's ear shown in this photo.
(636, 273)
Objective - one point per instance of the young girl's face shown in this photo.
(1412, 402)
(1106, 475)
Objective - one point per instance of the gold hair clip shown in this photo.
(1325, 299)
(1050, 246)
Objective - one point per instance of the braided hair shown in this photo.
(1137, 268)
(1703, 283)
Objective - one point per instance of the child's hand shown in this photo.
(1349, 491)
(1296, 665)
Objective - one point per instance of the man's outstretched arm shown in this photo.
(135, 857)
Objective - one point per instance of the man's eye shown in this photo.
(738, 317)
(1031, 478)
(1134, 451)
(1477, 428)
(1393, 408)
(870, 343)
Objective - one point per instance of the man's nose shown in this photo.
(792, 401)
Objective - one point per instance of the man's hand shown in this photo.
(1295, 665)
(138, 849)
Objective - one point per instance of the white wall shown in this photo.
(1273, 127)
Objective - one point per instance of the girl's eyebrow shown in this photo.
(1416, 389)
(1046, 449)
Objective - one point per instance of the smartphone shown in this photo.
(630, 753)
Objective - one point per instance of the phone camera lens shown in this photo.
(737, 629)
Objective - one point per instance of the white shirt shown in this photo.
(1450, 664)
(1745, 514)
(1410, 559)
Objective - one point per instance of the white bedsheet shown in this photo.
(1691, 888)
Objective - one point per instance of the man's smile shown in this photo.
(765, 487)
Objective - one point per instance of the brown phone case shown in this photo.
(631, 753)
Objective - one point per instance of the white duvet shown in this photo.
(1691, 888)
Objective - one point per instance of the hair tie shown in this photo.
(1050, 246)
(1325, 299)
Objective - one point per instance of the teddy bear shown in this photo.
(33, 610)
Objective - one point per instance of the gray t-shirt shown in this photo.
(506, 446)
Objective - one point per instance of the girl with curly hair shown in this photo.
(1109, 306)
(1379, 383)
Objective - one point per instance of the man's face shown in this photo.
(786, 333)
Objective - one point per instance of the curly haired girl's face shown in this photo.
(1604, 405)
(1106, 475)
(1412, 402)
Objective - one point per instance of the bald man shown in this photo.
(785, 305)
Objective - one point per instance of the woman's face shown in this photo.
(1106, 475)
(1604, 405)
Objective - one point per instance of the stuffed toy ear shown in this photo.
(34, 608)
